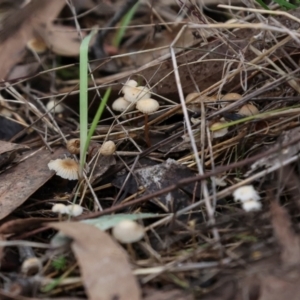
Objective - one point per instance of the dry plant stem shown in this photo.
(130, 173)
(204, 188)
(147, 131)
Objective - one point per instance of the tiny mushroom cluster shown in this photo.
(249, 198)
(73, 210)
(140, 96)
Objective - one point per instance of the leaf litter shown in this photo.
(178, 180)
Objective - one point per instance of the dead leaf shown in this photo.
(19, 226)
(286, 237)
(173, 294)
(20, 27)
(22, 180)
(104, 264)
(62, 40)
(7, 147)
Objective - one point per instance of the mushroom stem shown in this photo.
(147, 131)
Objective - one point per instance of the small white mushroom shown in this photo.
(248, 110)
(251, 205)
(121, 105)
(66, 168)
(246, 193)
(220, 132)
(74, 210)
(59, 208)
(134, 94)
(128, 85)
(147, 106)
(54, 107)
(108, 148)
(232, 97)
(37, 45)
(73, 146)
(128, 231)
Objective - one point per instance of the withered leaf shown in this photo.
(23, 179)
(104, 264)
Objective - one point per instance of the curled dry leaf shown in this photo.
(104, 264)
(20, 27)
(22, 180)
(62, 40)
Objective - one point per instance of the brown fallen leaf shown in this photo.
(6, 147)
(104, 264)
(20, 27)
(9, 151)
(173, 294)
(22, 180)
(286, 237)
(62, 40)
(19, 226)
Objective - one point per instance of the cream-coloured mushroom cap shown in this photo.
(232, 97)
(37, 45)
(220, 132)
(74, 210)
(73, 146)
(195, 96)
(108, 148)
(59, 208)
(54, 107)
(128, 231)
(147, 106)
(133, 94)
(129, 84)
(248, 110)
(66, 168)
(121, 105)
(31, 266)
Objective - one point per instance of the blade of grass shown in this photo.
(83, 96)
(97, 116)
(124, 23)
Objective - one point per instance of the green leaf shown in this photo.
(107, 222)
(83, 95)
(262, 4)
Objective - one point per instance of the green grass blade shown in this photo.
(97, 116)
(124, 23)
(83, 96)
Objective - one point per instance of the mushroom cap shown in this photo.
(133, 94)
(73, 146)
(59, 208)
(246, 193)
(53, 106)
(194, 96)
(74, 210)
(220, 132)
(128, 231)
(147, 106)
(36, 45)
(121, 105)
(66, 168)
(251, 205)
(108, 148)
(31, 266)
(231, 97)
(129, 84)
(248, 110)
